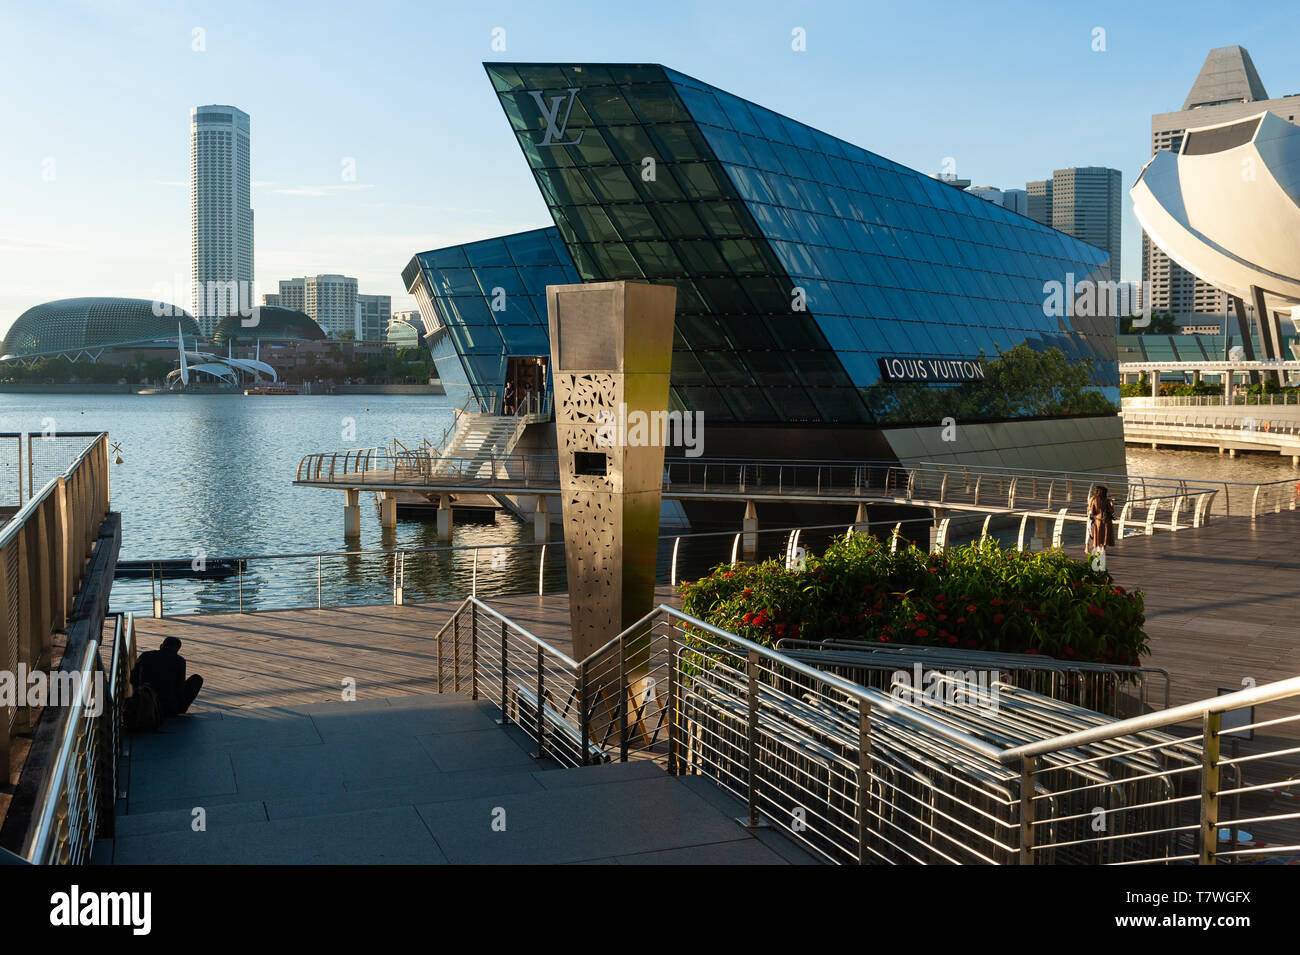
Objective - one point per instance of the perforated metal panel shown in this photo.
(12, 625)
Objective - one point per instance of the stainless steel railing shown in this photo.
(75, 803)
(354, 577)
(43, 551)
(861, 774)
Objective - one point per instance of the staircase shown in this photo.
(425, 779)
(478, 441)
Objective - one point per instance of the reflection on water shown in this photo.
(1210, 465)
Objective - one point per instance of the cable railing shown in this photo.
(287, 581)
(1280, 399)
(926, 484)
(1113, 689)
(872, 775)
(447, 572)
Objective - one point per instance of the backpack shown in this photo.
(141, 711)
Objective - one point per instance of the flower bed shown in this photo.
(977, 597)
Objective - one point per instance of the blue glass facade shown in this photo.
(801, 260)
(490, 296)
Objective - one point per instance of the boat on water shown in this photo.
(271, 389)
(174, 567)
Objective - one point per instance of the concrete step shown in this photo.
(417, 779)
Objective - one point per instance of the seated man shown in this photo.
(164, 670)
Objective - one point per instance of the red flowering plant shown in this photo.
(979, 597)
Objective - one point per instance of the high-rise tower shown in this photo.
(221, 214)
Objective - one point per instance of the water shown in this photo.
(214, 473)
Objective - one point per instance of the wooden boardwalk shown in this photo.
(1222, 601)
(1223, 606)
(280, 657)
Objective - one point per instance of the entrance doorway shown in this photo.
(525, 387)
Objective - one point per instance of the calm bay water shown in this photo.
(215, 472)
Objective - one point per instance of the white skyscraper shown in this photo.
(329, 299)
(221, 214)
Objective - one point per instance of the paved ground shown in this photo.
(411, 779)
(286, 772)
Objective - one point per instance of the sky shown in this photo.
(95, 99)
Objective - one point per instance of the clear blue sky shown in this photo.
(103, 89)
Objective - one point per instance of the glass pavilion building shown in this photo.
(831, 303)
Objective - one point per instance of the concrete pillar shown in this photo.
(1295, 460)
(1232, 452)
(861, 523)
(444, 517)
(1227, 386)
(1155, 384)
(388, 510)
(1155, 446)
(352, 513)
(1042, 534)
(541, 521)
(1196, 377)
(749, 540)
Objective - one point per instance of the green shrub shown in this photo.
(978, 597)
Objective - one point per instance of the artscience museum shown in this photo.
(1226, 207)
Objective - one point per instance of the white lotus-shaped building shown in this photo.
(1226, 207)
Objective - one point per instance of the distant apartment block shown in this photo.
(372, 317)
(329, 299)
(221, 214)
(1084, 202)
(1013, 199)
(1227, 88)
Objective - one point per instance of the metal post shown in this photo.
(864, 778)
(1210, 789)
(455, 654)
(473, 586)
(505, 683)
(318, 583)
(585, 731)
(473, 656)
(1027, 810)
(440, 633)
(622, 700)
(240, 564)
(541, 689)
(541, 570)
(751, 743)
(673, 578)
(674, 747)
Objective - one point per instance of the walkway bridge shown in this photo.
(943, 489)
(1268, 428)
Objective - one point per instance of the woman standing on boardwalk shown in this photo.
(1101, 521)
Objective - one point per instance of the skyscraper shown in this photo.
(221, 214)
(1227, 88)
(330, 299)
(1082, 201)
(373, 315)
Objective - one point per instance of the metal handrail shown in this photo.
(75, 802)
(1241, 699)
(870, 775)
